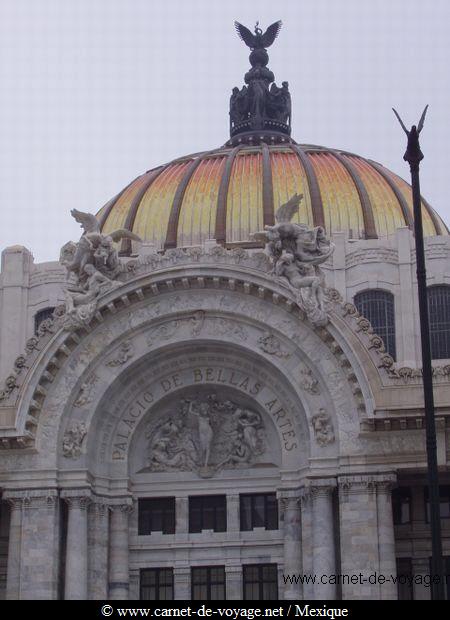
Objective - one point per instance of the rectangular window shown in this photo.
(405, 590)
(260, 582)
(156, 584)
(444, 497)
(208, 583)
(258, 510)
(446, 567)
(207, 512)
(401, 505)
(156, 515)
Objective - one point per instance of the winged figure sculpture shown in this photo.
(95, 247)
(259, 40)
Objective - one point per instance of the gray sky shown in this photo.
(95, 92)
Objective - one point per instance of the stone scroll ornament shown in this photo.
(93, 267)
(205, 436)
(296, 251)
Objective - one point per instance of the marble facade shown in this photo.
(338, 427)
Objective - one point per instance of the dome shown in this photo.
(232, 192)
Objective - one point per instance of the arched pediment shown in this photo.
(198, 304)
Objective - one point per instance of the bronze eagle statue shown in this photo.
(258, 40)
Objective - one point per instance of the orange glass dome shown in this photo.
(232, 192)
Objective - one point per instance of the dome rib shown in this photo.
(433, 216)
(222, 197)
(313, 185)
(267, 188)
(113, 203)
(131, 216)
(369, 221)
(172, 227)
(232, 192)
(400, 198)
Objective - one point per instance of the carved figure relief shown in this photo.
(308, 381)
(270, 344)
(205, 436)
(296, 252)
(226, 327)
(323, 428)
(85, 394)
(125, 352)
(163, 332)
(73, 439)
(93, 266)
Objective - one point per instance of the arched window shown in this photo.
(41, 316)
(439, 310)
(378, 308)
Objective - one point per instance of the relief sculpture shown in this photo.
(205, 436)
(296, 251)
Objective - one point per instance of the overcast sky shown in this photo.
(95, 92)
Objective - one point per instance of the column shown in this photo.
(307, 542)
(98, 526)
(181, 515)
(386, 538)
(292, 546)
(233, 577)
(76, 574)
(324, 554)
(38, 535)
(233, 514)
(119, 578)
(359, 536)
(182, 583)
(14, 547)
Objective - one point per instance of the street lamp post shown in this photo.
(414, 156)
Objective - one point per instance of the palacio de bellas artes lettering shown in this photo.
(203, 407)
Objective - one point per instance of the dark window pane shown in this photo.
(208, 583)
(156, 515)
(246, 512)
(272, 512)
(260, 582)
(444, 503)
(156, 584)
(208, 512)
(439, 314)
(259, 510)
(378, 307)
(404, 579)
(401, 505)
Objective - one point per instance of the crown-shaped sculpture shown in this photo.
(260, 111)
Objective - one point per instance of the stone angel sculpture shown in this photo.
(97, 248)
(93, 266)
(296, 251)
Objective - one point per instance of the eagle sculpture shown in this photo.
(258, 40)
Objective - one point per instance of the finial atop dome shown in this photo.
(260, 111)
